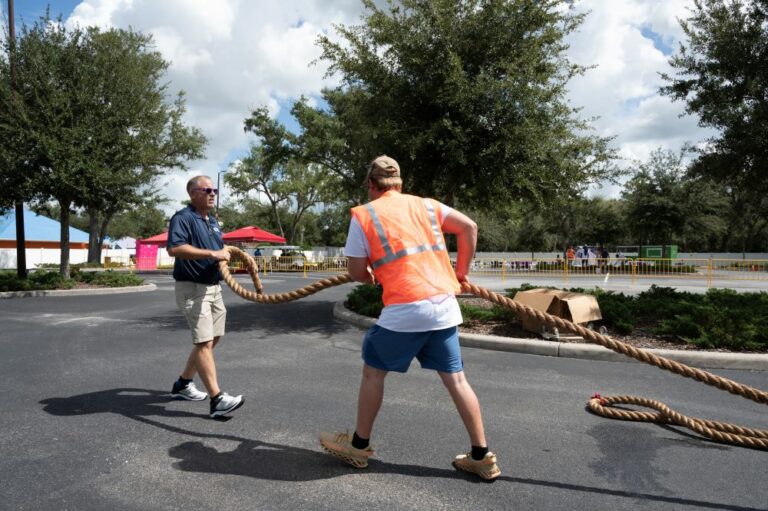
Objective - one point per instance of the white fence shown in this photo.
(40, 256)
(125, 257)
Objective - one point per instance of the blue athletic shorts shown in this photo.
(393, 351)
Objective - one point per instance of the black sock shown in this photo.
(359, 443)
(479, 453)
(183, 381)
(214, 398)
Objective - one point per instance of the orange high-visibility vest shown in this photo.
(408, 254)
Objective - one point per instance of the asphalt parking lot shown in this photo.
(88, 423)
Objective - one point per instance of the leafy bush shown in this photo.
(109, 278)
(721, 318)
(494, 313)
(365, 299)
(36, 281)
(9, 282)
(47, 280)
(616, 310)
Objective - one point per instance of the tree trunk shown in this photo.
(94, 247)
(277, 217)
(103, 228)
(64, 224)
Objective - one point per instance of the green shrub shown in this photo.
(109, 278)
(49, 280)
(10, 282)
(721, 318)
(494, 313)
(617, 313)
(366, 300)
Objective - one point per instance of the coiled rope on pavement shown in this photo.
(601, 405)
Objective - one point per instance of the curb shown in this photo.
(80, 292)
(701, 359)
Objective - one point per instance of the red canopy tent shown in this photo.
(252, 234)
(157, 239)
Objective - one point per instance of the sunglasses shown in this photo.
(208, 191)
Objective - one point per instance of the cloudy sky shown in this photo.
(233, 55)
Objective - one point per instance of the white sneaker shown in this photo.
(190, 392)
(225, 403)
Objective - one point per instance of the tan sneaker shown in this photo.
(485, 468)
(340, 445)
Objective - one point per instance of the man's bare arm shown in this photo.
(465, 230)
(358, 269)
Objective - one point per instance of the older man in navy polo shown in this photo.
(195, 240)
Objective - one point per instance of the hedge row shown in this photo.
(48, 280)
(721, 318)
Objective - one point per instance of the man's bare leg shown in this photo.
(467, 404)
(201, 361)
(369, 399)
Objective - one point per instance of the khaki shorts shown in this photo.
(204, 309)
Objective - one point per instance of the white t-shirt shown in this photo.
(433, 313)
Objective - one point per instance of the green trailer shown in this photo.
(647, 251)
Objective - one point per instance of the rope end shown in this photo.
(599, 398)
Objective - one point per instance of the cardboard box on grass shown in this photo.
(577, 308)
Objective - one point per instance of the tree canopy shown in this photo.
(722, 75)
(468, 96)
(291, 185)
(92, 119)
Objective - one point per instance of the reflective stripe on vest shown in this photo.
(393, 256)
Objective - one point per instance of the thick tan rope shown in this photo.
(259, 296)
(723, 432)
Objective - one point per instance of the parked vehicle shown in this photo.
(293, 260)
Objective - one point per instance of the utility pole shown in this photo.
(21, 242)
(218, 195)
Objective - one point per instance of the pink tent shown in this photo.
(252, 234)
(157, 239)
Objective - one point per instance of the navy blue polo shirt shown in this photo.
(187, 227)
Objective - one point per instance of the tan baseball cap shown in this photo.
(383, 166)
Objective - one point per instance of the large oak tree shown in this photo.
(469, 97)
(93, 122)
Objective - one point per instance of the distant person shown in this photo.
(580, 255)
(570, 254)
(195, 240)
(591, 257)
(257, 252)
(397, 240)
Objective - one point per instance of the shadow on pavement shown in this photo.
(264, 460)
(294, 317)
(129, 402)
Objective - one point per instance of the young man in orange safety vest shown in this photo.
(397, 240)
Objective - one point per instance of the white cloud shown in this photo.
(623, 90)
(233, 55)
(229, 56)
